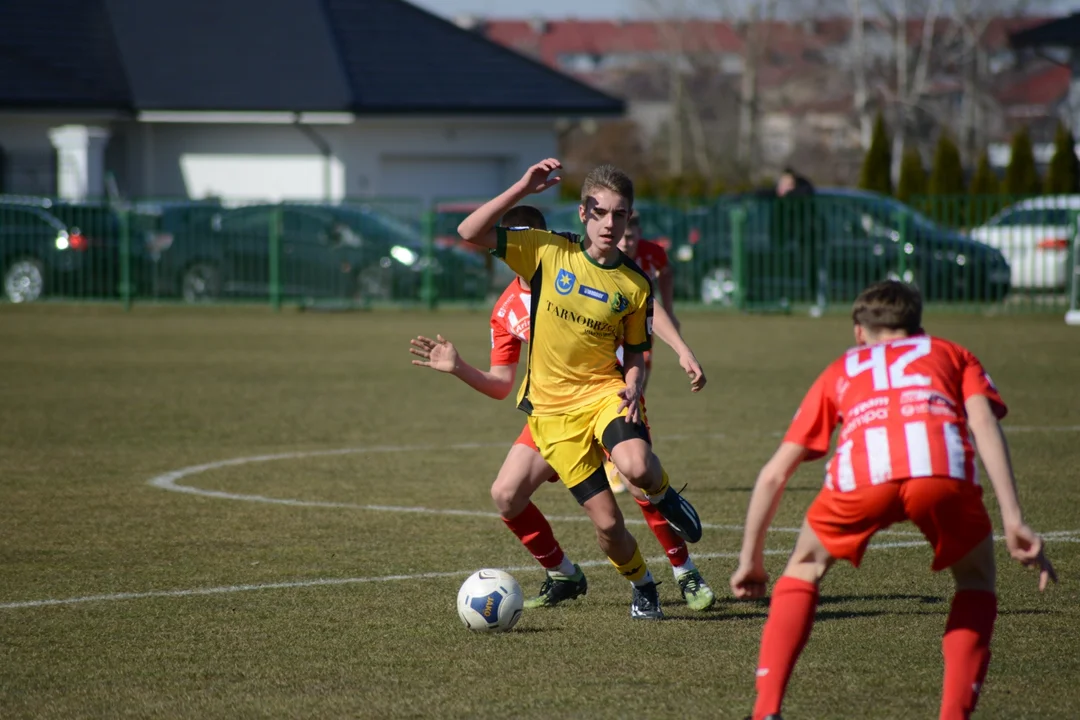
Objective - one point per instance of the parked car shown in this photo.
(327, 251)
(833, 245)
(52, 248)
(1035, 236)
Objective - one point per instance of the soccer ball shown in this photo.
(490, 601)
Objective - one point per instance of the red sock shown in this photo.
(534, 532)
(673, 545)
(966, 647)
(791, 615)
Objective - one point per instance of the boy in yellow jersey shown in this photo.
(586, 297)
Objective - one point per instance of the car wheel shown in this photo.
(200, 282)
(24, 280)
(718, 287)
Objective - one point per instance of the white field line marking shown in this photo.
(1056, 536)
(169, 481)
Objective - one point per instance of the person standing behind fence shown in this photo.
(796, 221)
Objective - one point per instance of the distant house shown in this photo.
(298, 99)
(1057, 41)
(804, 82)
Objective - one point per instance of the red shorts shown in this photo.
(526, 439)
(950, 513)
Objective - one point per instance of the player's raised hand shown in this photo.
(1026, 547)
(631, 396)
(536, 179)
(693, 371)
(749, 582)
(438, 354)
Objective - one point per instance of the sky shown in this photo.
(614, 8)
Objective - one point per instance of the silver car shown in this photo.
(1035, 236)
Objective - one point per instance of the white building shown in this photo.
(269, 100)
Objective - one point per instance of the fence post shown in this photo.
(738, 266)
(125, 259)
(902, 246)
(1072, 316)
(428, 291)
(275, 259)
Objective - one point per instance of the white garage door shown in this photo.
(436, 178)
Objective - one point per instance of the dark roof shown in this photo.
(59, 52)
(401, 57)
(362, 56)
(228, 55)
(1062, 32)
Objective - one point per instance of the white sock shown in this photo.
(686, 567)
(643, 581)
(566, 568)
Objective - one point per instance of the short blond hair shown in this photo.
(608, 177)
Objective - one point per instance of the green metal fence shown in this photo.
(750, 252)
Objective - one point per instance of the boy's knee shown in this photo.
(976, 570)
(609, 526)
(634, 465)
(508, 496)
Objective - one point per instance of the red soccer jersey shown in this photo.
(651, 258)
(900, 405)
(510, 325)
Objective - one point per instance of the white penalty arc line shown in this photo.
(170, 481)
(1071, 536)
(324, 582)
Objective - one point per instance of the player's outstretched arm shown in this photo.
(750, 579)
(1024, 544)
(440, 354)
(664, 327)
(479, 227)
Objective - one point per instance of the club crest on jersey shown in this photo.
(592, 293)
(619, 303)
(564, 282)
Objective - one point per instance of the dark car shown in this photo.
(829, 247)
(43, 252)
(326, 251)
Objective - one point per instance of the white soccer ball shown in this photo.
(490, 601)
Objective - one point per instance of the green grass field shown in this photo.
(317, 607)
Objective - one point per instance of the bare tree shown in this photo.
(972, 18)
(911, 74)
(858, 69)
(692, 52)
(686, 116)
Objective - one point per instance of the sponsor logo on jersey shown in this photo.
(619, 303)
(591, 326)
(564, 282)
(593, 293)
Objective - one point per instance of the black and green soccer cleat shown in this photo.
(557, 588)
(696, 592)
(681, 515)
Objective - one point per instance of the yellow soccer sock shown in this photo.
(635, 570)
(664, 485)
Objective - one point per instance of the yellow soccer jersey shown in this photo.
(580, 310)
